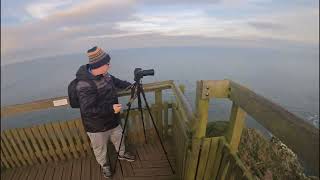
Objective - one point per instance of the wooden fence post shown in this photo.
(236, 124)
(158, 115)
(202, 105)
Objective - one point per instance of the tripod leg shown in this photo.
(155, 127)
(141, 112)
(124, 128)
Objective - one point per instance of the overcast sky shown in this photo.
(39, 28)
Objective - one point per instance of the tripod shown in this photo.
(136, 91)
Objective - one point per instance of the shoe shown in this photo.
(127, 156)
(106, 171)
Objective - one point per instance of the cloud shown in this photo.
(283, 26)
(266, 25)
(63, 26)
(55, 30)
(41, 10)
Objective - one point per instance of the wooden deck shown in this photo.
(150, 163)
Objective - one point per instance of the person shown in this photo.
(100, 108)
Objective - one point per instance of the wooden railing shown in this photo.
(197, 156)
(56, 141)
(44, 143)
(300, 136)
(67, 139)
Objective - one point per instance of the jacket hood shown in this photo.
(84, 74)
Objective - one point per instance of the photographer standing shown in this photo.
(99, 107)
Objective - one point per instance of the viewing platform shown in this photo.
(62, 150)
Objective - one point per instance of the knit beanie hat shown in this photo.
(97, 57)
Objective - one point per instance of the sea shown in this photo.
(289, 77)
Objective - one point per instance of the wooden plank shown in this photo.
(183, 103)
(76, 169)
(280, 123)
(28, 144)
(153, 172)
(48, 103)
(203, 157)
(53, 137)
(236, 124)
(185, 150)
(7, 174)
(195, 149)
(33, 172)
(40, 140)
(58, 131)
(215, 89)
(218, 157)
(17, 173)
(224, 164)
(165, 119)
(211, 158)
(5, 159)
(76, 136)
(21, 146)
(85, 169)
(67, 170)
(25, 172)
(126, 168)
(29, 107)
(8, 151)
(45, 136)
(155, 164)
(66, 131)
(230, 175)
(141, 152)
(37, 149)
(95, 170)
(84, 137)
(58, 170)
(202, 105)
(49, 173)
(41, 173)
(18, 153)
(158, 117)
(4, 163)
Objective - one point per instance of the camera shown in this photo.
(139, 73)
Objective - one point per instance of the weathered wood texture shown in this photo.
(202, 105)
(46, 143)
(296, 133)
(215, 160)
(150, 163)
(180, 141)
(237, 118)
(63, 140)
(196, 157)
(50, 103)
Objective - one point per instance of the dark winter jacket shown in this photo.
(96, 104)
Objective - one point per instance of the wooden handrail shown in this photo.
(186, 109)
(296, 133)
(63, 100)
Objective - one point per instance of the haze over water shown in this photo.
(287, 77)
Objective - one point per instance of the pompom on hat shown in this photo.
(97, 57)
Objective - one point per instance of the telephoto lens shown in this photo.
(139, 73)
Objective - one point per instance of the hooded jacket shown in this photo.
(96, 103)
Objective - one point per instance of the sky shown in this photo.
(42, 28)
